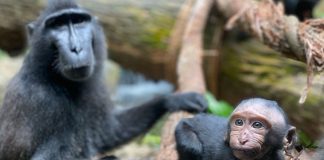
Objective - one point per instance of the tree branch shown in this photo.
(189, 69)
(266, 21)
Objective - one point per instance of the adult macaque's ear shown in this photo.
(290, 139)
(30, 28)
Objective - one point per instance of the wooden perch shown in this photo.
(190, 74)
(266, 21)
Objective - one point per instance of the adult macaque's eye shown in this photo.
(55, 22)
(80, 18)
(239, 122)
(257, 125)
(77, 20)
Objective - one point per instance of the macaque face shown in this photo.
(258, 129)
(248, 130)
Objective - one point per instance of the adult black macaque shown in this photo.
(258, 129)
(57, 107)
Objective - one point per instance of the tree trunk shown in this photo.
(136, 30)
(133, 26)
(14, 14)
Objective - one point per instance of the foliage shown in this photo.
(305, 140)
(153, 137)
(151, 140)
(2, 54)
(157, 30)
(151, 27)
(319, 10)
(220, 108)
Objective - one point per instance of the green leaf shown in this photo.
(219, 108)
(152, 140)
(2, 54)
(318, 11)
(305, 140)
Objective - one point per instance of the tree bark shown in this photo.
(14, 14)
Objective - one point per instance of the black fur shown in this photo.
(109, 158)
(202, 138)
(303, 9)
(47, 116)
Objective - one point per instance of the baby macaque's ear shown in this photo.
(290, 139)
